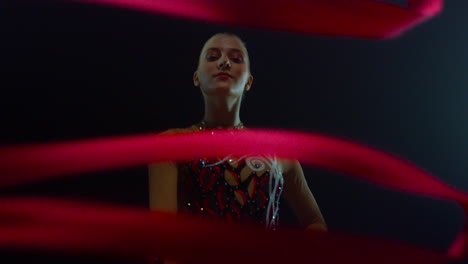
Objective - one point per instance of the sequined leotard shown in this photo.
(241, 189)
(245, 189)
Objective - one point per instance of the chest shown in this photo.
(244, 187)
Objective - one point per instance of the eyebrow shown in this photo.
(232, 49)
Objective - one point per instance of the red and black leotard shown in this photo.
(231, 189)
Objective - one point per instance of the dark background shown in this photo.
(72, 71)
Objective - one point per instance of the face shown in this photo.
(223, 54)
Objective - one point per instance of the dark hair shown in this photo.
(232, 35)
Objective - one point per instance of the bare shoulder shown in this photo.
(289, 165)
(172, 131)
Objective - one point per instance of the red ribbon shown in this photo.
(75, 227)
(357, 18)
(21, 164)
(79, 228)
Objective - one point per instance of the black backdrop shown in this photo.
(74, 71)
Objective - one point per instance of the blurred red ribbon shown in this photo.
(375, 19)
(29, 163)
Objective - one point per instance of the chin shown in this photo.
(221, 89)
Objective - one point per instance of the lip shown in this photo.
(223, 75)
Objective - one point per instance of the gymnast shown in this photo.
(234, 189)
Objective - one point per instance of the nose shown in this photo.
(224, 63)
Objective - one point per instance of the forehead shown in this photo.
(224, 42)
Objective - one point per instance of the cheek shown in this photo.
(205, 72)
(203, 76)
(243, 76)
(241, 71)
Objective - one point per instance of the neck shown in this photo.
(222, 113)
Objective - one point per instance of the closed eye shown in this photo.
(235, 59)
(238, 60)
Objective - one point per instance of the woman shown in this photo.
(235, 189)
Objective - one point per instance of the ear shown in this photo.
(249, 83)
(196, 82)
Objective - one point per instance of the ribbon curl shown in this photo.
(125, 233)
(76, 227)
(28, 163)
(375, 19)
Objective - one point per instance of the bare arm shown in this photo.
(162, 179)
(299, 197)
(163, 186)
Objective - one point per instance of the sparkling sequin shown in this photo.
(222, 198)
